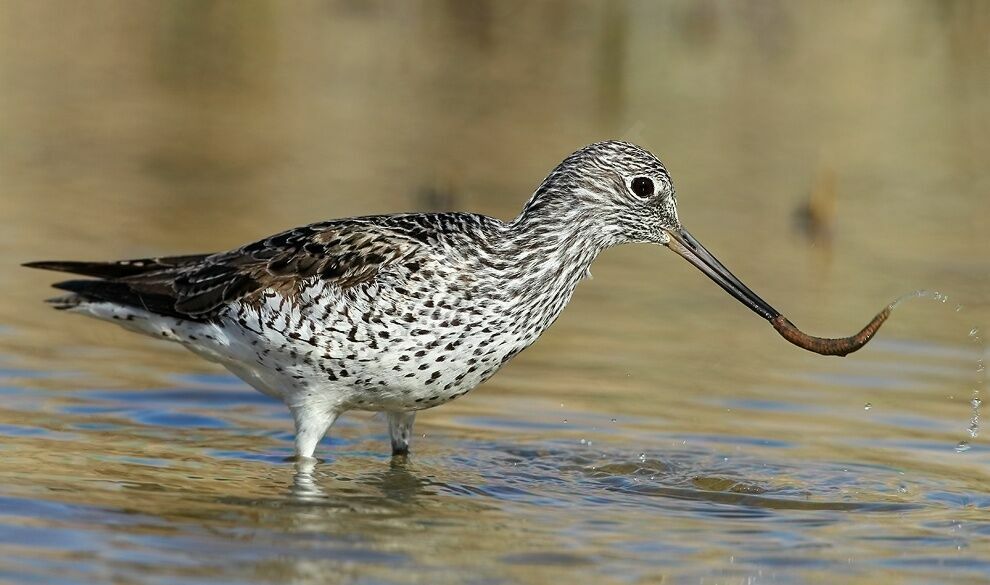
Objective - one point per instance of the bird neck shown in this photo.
(547, 250)
(562, 222)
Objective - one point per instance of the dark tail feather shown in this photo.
(65, 302)
(120, 269)
(113, 292)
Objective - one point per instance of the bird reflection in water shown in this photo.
(396, 484)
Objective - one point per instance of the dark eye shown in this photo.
(642, 186)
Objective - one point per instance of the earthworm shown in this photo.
(840, 346)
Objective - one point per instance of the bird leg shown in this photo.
(400, 431)
(312, 424)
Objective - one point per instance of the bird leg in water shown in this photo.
(841, 346)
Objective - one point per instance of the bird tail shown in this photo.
(116, 269)
(110, 283)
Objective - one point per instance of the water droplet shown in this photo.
(583, 442)
(974, 422)
(959, 308)
(642, 457)
(565, 421)
(868, 406)
(962, 447)
(612, 420)
(974, 331)
(902, 489)
(912, 295)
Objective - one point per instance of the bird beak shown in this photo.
(682, 242)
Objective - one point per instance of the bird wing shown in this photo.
(346, 253)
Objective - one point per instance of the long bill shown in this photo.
(682, 242)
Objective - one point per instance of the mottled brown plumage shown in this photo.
(197, 287)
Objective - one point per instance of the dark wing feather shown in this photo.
(115, 292)
(118, 269)
(346, 253)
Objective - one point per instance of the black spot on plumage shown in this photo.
(315, 249)
(281, 240)
(331, 271)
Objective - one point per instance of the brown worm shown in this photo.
(840, 346)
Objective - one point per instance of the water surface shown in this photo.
(659, 432)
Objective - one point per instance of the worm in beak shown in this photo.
(682, 242)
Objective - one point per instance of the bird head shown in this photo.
(618, 193)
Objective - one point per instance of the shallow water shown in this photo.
(658, 432)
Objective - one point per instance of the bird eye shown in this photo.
(642, 186)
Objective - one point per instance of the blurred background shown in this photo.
(833, 155)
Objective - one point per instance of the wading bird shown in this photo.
(399, 313)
